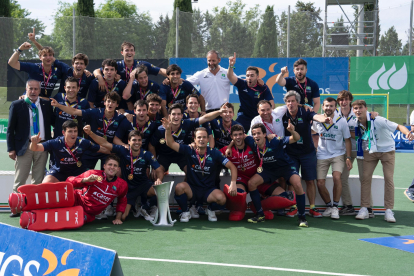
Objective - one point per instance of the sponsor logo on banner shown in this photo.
(384, 79)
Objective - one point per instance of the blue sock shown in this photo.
(240, 190)
(255, 196)
(215, 206)
(152, 201)
(300, 202)
(335, 204)
(329, 204)
(182, 201)
(284, 194)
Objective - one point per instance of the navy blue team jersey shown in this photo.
(203, 177)
(185, 89)
(61, 116)
(95, 118)
(63, 160)
(312, 89)
(221, 136)
(36, 73)
(141, 163)
(138, 93)
(126, 127)
(303, 125)
(84, 83)
(205, 125)
(152, 69)
(275, 155)
(250, 96)
(96, 96)
(181, 137)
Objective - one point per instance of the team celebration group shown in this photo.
(137, 128)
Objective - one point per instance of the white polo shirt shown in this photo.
(383, 130)
(352, 123)
(331, 137)
(276, 127)
(214, 88)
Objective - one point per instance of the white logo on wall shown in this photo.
(391, 79)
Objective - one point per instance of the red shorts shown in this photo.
(266, 189)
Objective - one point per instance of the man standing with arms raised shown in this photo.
(307, 88)
(250, 93)
(213, 81)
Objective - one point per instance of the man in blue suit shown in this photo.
(28, 117)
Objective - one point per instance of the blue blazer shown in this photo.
(18, 131)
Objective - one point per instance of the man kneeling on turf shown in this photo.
(56, 206)
(202, 164)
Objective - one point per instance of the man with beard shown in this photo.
(307, 88)
(250, 93)
(213, 81)
(67, 151)
(331, 151)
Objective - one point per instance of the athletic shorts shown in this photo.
(271, 176)
(241, 179)
(324, 164)
(200, 194)
(135, 191)
(307, 164)
(62, 176)
(166, 161)
(267, 189)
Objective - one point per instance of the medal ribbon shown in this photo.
(304, 89)
(71, 152)
(263, 154)
(175, 93)
(75, 105)
(201, 161)
(112, 86)
(133, 160)
(106, 124)
(241, 160)
(128, 71)
(223, 130)
(144, 128)
(268, 128)
(48, 77)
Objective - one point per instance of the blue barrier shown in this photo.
(402, 144)
(32, 253)
(331, 74)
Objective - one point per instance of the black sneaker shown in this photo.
(256, 219)
(303, 222)
(371, 213)
(280, 212)
(347, 211)
(409, 194)
(14, 215)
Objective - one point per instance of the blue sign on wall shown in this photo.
(401, 142)
(24, 252)
(331, 74)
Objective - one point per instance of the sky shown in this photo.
(392, 13)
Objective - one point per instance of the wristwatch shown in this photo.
(18, 50)
(349, 157)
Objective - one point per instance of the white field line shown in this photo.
(239, 266)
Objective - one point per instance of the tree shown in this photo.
(389, 44)
(406, 48)
(85, 8)
(161, 29)
(185, 29)
(266, 41)
(5, 8)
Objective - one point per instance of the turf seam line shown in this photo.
(239, 266)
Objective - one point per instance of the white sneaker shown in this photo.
(153, 211)
(327, 212)
(362, 214)
(185, 216)
(211, 215)
(145, 214)
(137, 213)
(389, 216)
(335, 213)
(193, 212)
(109, 211)
(101, 216)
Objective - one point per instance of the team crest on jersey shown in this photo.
(209, 158)
(114, 188)
(116, 123)
(223, 76)
(335, 127)
(308, 88)
(79, 150)
(142, 161)
(250, 152)
(277, 120)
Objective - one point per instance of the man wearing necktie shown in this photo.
(28, 117)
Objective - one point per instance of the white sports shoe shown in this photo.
(193, 212)
(185, 216)
(389, 216)
(153, 211)
(138, 211)
(211, 215)
(145, 214)
(101, 215)
(363, 213)
(327, 212)
(335, 213)
(109, 211)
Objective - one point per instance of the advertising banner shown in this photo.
(381, 75)
(331, 74)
